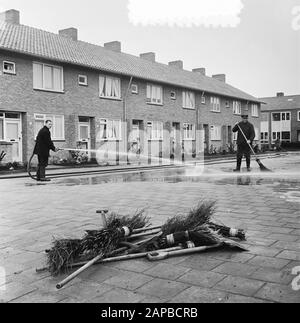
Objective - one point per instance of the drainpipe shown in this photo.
(125, 116)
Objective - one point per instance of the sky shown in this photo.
(257, 46)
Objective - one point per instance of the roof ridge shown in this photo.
(83, 53)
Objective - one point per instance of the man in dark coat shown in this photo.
(42, 148)
(243, 144)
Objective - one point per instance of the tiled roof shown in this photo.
(291, 102)
(39, 43)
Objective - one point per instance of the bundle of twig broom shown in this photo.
(121, 240)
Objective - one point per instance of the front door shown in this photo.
(85, 137)
(13, 135)
(176, 141)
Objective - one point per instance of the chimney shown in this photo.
(177, 64)
(280, 94)
(11, 16)
(201, 70)
(114, 46)
(71, 33)
(148, 56)
(220, 77)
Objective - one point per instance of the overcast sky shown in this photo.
(261, 55)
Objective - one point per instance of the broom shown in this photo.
(262, 167)
(67, 251)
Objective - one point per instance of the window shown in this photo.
(110, 87)
(237, 107)
(9, 67)
(189, 131)
(110, 129)
(215, 104)
(58, 128)
(286, 116)
(215, 133)
(1, 126)
(276, 135)
(235, 136)
(298, 114)
(203, 100)
(134, 89)
(276, 116)
(264, 137)
(254, 109)
(173, 95)
(154, 94)
(155, 130)
(82, 80)
(286, 136)
(47, 77)
(188, 100)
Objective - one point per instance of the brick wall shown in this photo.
(17, 94)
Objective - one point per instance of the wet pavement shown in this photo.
(267, 205)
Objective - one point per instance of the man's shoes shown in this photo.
(45, 180)
(237, 170)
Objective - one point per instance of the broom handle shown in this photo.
(247, 141)
(78, 272)
(160, 255)
(100, 260)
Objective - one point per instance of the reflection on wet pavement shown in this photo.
(287, 183)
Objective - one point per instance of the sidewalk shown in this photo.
(30, 215)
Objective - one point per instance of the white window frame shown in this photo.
(85, 82)
(237, 108)
(43, 78)
(215, 135)
(254, 110)
(203, 99)
(13, 72)
(108, 122)
(189, 131)
(45, 117)
(102, 92)
(157, 133)
(298, 114)
(152, 88)
(185, 101)
(215, 104)
(134, 89)
(3, 119)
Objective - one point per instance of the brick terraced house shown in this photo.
(280, 119)
(101, 97)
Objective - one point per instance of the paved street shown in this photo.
(266, 205)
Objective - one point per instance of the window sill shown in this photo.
(51, 91)
(111, 99)
(109, 140)
(9, 73)
(157, 104)
(215, 111)
(193, 109)
(215, 139)
(58, 140)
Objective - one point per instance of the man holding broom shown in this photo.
(246, 135)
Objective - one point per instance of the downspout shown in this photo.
(125, 117)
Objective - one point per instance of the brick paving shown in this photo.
(30, 215)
